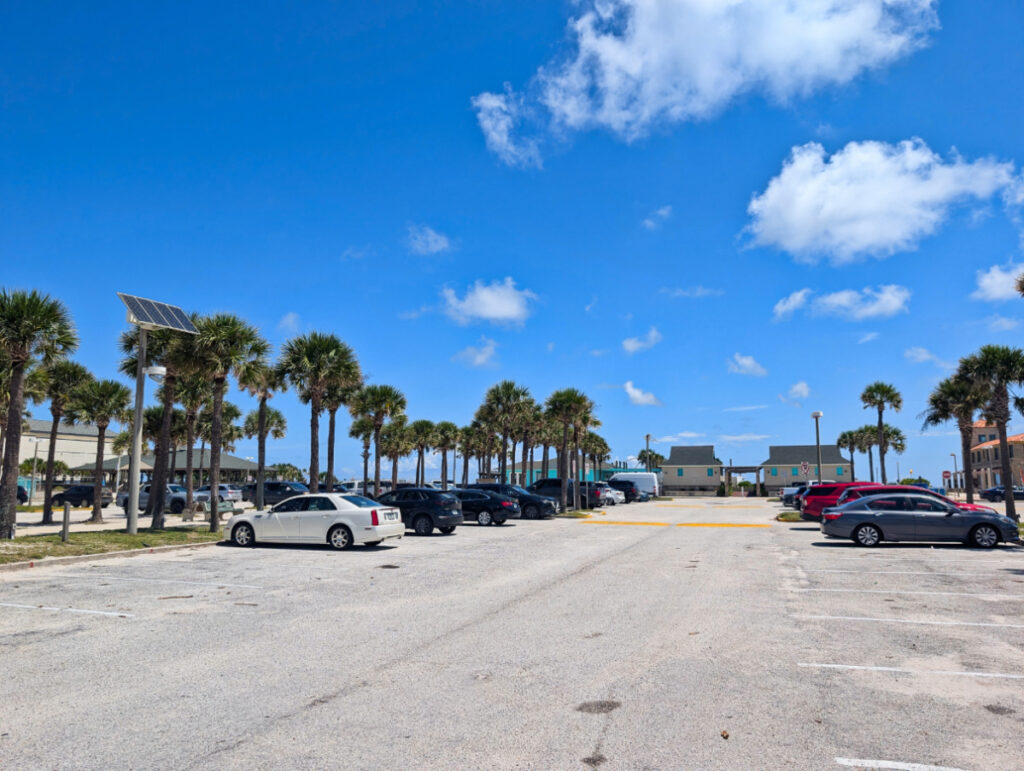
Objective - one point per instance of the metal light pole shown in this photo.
(955, 472)
(817, 438)
(133, 481)
(647, 458)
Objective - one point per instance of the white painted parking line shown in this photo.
(911, 671)
(108, 577)
(1001, 597)
(67, 610)
(933, 560)
(895, 572)
(860, 763)
(911, 621)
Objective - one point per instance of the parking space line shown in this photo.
(108, 577)
(902, 557)
(717, 524)
(1001, 597)
(911, 621)
(899, 670)
(892, 572)
(895, 764)
(613, 522)
(67, 610)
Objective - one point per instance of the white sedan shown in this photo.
(333, 518)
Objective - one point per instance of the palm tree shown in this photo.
(651, 459)
(848, 440)
(867, 437)
(99, 402)
(335, 397)
(65, 377)
(313, 363)
(584, 420)
(422, 434)
(262, 381)
(261, 423)
(193, 392)
(503, 403)
(597, 449)
(994, 369)
(564, 407)
(379, 402)
(395, 444)
(33, 389)
(878, 396)
(446, 437)
(33, 327)
(467, 443)
(957, 398)
(894, 439)
(362, 429)
(225, 344)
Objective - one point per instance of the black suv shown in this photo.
(532, 505)
(590, 495)
(82, 495)
(22, 495)
(485, 507)
(627, 488)
(275, 492)
(424, 508)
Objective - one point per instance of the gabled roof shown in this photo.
(697, 455)
(794, 454)
(227, 462)
(79, 429)
(1015, 439)
(983, 424)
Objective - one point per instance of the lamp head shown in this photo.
(156, 373)
(817, 414)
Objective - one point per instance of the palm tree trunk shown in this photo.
(366, 467)
(394, 472)
(544, 460)
(190, 440)
(376, 461)
(965, 451)
(97, 490)
(512, 455)
(51, 453)
(881, 444)
(853, 476)
(330, 450)
(532, 478)
(12, 447)
(444, 469)
(871, 464)
(155, 504)
(314, 444)
(525, 454)
(202, 459)
(174, 462)
(465, 467)
(1006, 473)
(215, 445)
(575, 468)
(503, 462)
(261, 451)
(561, 455)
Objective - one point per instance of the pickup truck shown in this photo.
(174, 498)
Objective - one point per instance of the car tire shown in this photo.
(531, 512)
(499, 521)
(867, 535)
(104, 505)
(57, 500)
(340, 537)
(423, 525)
(177, 507)
(243, 535)
(372, 543)
(984, 537)
(220, 498)
(448, 530)
(484, 518)
(86, 503)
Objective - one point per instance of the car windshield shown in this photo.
(297, 486)
(360, 501)
(446, 496)
(520, 490)
(176, 488)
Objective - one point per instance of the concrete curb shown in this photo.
(47, 561)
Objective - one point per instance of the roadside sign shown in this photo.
(947, 475)
(805, 468)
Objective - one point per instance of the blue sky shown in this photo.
(745, 215)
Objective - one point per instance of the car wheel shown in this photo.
(867, 535)
(58, 500)
(423, 525)
(372, 543)
(984, 537)
(499, 521)
(243, 535)
(484, 518)
(104, 505)
(531, 512)
(220, 498)
(86, 503)
(177, 507)
(447, 530)
(340, 537)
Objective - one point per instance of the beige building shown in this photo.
(76, 445)
(986, 460)
(785, 465)
(691, 471)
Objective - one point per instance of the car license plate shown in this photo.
(391, 515)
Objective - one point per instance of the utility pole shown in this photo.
(817, 415)
(647, 457)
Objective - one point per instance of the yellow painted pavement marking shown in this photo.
(611, 522)
(717, 524)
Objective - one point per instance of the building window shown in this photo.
(711, 472)
(679, 472)
(998, 481)
(995, 453)
(775, 472)
(839, 471)
(796, 471)
(1011, 450)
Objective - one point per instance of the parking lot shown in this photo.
(692, 634)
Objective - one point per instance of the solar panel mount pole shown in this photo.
(133, 482)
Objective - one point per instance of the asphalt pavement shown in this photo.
(691, 634)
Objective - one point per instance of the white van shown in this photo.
(644, 480)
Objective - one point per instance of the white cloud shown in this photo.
(499, 302)
(743, 437)
(998, 282)
(868, 199)
(289, 322)
(478, 355)
(653, 220)
(415, 314)
(920, 355)
(997, 323)
(853, 305)
(500, 116)
(867, 338)
(590, 306)
(633, 345)
(598, 352)
(423, 239)
(691, 292)
(637, 396)
(788, 305)
(680, 437)
(799, 390)
(551, 347)
(746, 365)
(746, 408)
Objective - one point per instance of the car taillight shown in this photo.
(832, 516)
(506, 504)
(373, 518)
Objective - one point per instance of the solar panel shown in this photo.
(151, 313)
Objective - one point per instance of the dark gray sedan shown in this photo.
(907, 517)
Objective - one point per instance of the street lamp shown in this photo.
(955, 473)
(817, 415)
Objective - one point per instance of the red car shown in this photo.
(854, 493)
(818, 497)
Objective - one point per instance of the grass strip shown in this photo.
(37, 547)
(789, 516)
